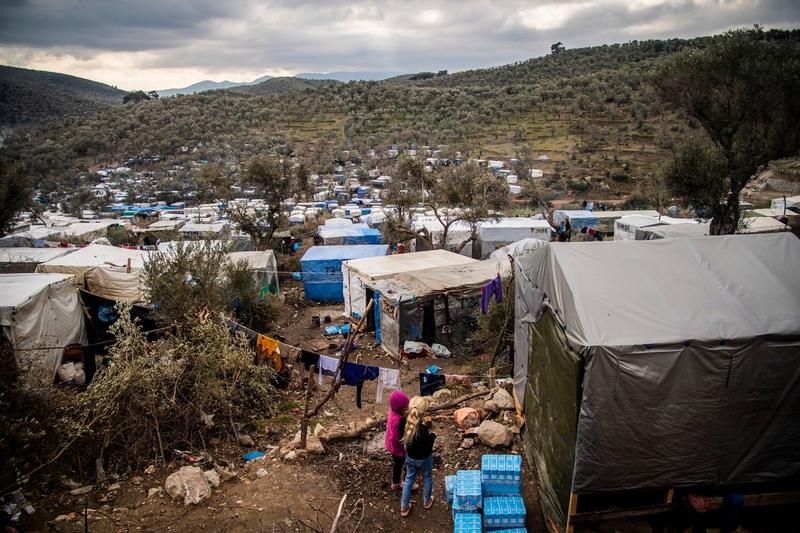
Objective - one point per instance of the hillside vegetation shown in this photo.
(28, 96)
(592, 110)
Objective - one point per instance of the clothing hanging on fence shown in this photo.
(327, 366)
(388, 378)
(430, 383)
(493, 288)
(355, 374)
(268, 348)
(309, 359)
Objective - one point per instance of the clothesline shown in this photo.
(92, 345)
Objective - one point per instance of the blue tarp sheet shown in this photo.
(351, 234)
(322, 269)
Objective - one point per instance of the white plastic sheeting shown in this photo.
(515, 250)
(357, 273)
(691, 350)
(40, 311)
(32, 255)
(494, 234)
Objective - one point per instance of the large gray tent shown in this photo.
(656, 364)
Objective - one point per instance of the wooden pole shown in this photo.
(492, 376)
(304, 421)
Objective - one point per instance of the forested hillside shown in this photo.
(592, 110)
(31, 95)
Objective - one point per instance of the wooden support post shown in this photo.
(304, 422)
(571, 509)
(492, 377)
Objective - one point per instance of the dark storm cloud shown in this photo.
(248, 35)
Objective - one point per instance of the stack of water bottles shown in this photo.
(489, 499)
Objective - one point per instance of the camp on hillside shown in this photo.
(668, 363)
(40, 315)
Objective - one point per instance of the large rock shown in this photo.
(313, 444)
(466, 417)
(376, 445)
(494, 435)
(442, 395)
(503, 399)
(188, 483)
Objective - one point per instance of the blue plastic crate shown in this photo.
(449, 488)
(468, 493)
(503, 512)
(467, 523)
(512, 530)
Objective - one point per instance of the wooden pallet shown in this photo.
(574, 517)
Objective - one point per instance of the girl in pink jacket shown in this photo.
(398, 405)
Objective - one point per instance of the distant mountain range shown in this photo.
(341, 75)
(209, 85)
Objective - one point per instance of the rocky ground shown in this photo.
(291, 489)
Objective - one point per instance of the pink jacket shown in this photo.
(397, 402)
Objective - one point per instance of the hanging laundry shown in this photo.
(309, 359)
(430, 383)
(493, 288)
(234, 327)
(388, 378)
(268, 348)
(355, 374)
(327, 366)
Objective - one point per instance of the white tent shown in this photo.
(338, 221)
(197, 230)
(778, 203)
(625, 227)
(497, 233)
(263, 264)
(762, 225)
(515, 250)
(25, 259)
(458, 232)
(40, 314)
(356, 273)
(103, 270)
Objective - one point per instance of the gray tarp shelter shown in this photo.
(656, 364)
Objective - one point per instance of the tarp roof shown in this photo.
(639, 221)
(763, 225)
(626, 293)
(617, 214)
(675, 230)
(423, 283)
(264, 260)
(197, 227)
(32, 255)
(384, 266)
(97, 255)
(18, 289)
(342, 253)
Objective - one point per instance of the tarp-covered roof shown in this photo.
(462, 278)
(95, 255)
(342, 253)
(626, 293)
(32, 255)
(352, 234)
(381, 267)
(18, 289)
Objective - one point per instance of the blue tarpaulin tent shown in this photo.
(322, 269)
(351, 234)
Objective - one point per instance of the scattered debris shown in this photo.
(467, 417)
(261, 473)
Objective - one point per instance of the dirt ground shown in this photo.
(302, 495)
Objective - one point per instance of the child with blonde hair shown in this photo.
(418, 441)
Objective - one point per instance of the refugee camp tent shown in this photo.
(672, 231)
(625, 227)
(356, 273)
(34, 237)
(349, 234)
(779, 203)
(322, 268)
(762, 225)
(264, 268)
(458, 232)
(107, 271)
(40, 314)
(515, 250)
(197, 230)
(433, 305)
(577, 219)
(19, 260)
(494, 234)
(606, 219)
(338, 221)
(681, 368)
(88, 231)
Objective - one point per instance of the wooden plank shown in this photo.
(573, 506)
(599, 516)
(758, 500)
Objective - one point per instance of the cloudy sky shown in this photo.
(156, 44)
